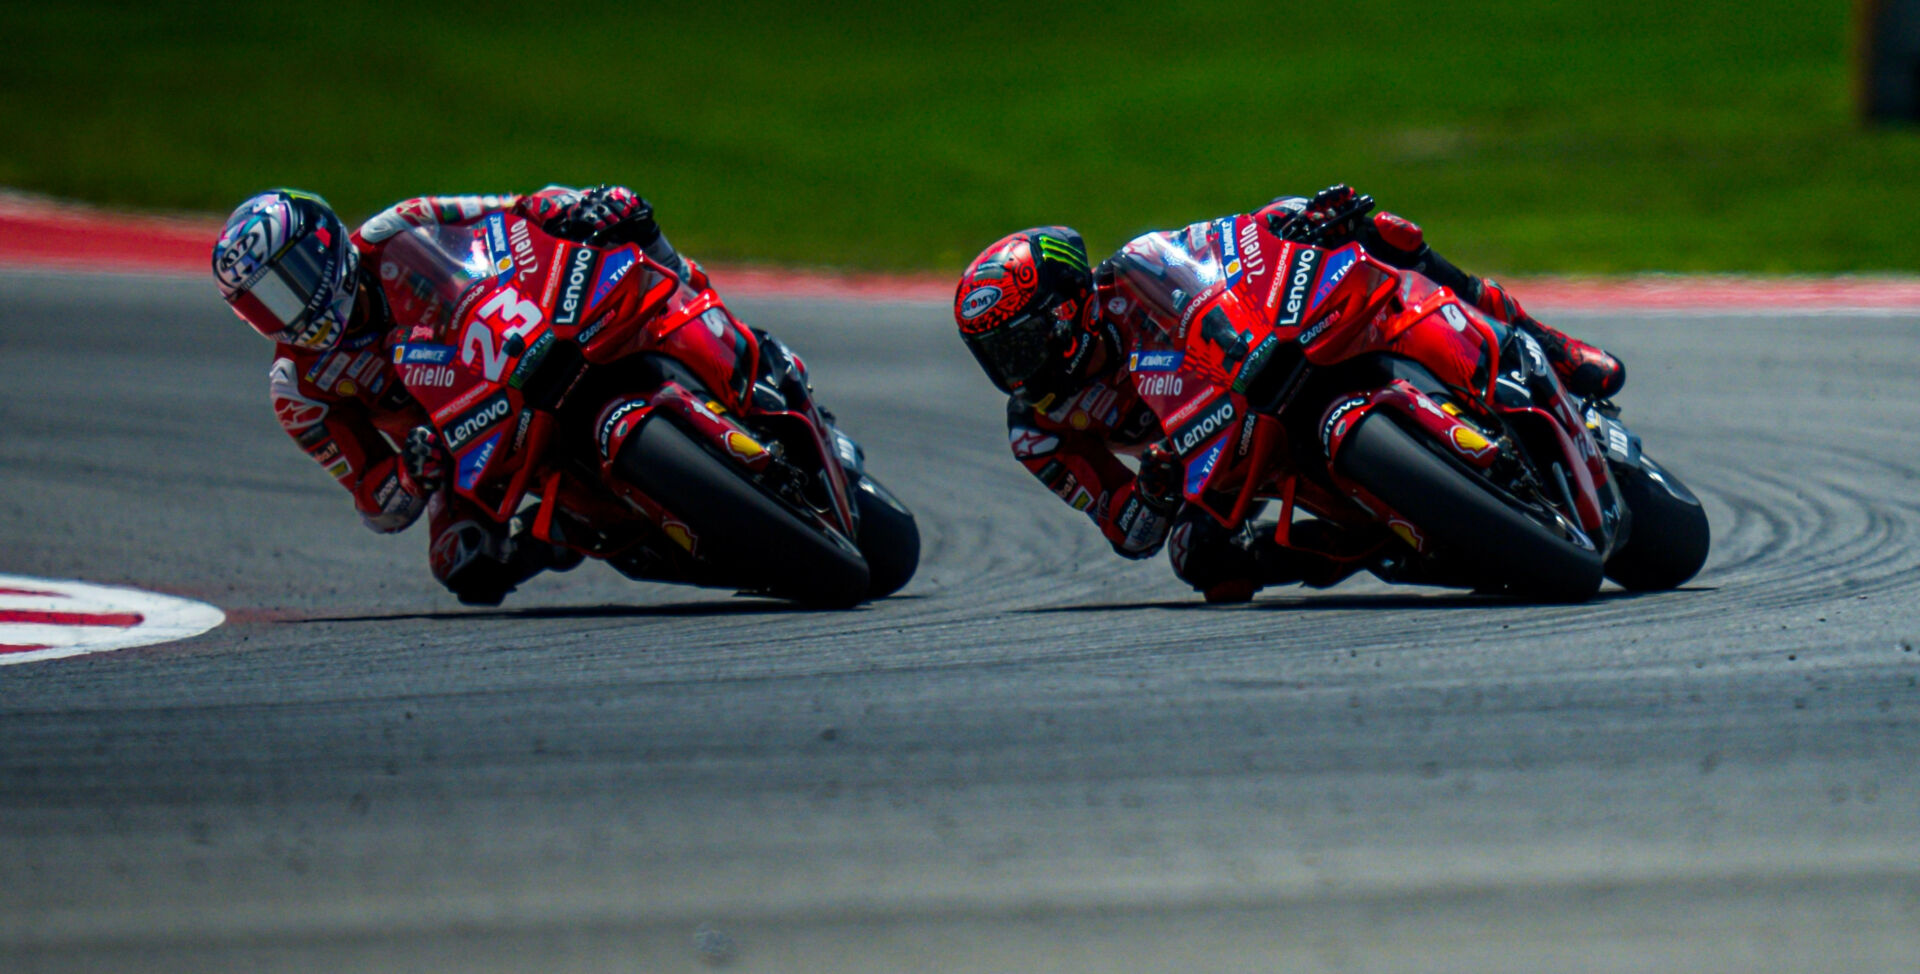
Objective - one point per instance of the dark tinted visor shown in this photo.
(1015, 352)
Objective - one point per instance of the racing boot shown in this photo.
(1586, 370)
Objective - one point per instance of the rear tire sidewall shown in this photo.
(753, 539)
(1499, 545)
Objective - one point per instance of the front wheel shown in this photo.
(889, 538)
(1668, 540)
(751, 538)
(1498, 543)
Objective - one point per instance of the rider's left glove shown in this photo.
(1158, 482)
(425, 460)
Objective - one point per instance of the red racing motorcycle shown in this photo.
(656, 431)
(1436, 442)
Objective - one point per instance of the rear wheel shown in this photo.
(1668, 540)
(889, 538)
(754, 540)
(1496, 540)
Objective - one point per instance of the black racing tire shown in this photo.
(1669, 537)
(754, 540)
(1500, 545)
(889, 538)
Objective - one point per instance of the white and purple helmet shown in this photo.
(286, 265)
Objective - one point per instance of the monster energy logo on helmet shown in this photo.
(1053, 248)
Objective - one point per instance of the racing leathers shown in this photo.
(1073, 443)
(348, 407)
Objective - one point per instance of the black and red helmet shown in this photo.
(1022, 310)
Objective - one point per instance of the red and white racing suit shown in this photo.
(348, 408)
(1074, 446)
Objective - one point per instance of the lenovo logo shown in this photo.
(573, 293)
(1299, 278)
(1197, 432)
(476, 422)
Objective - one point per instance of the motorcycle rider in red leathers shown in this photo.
(288, 267)
(1053, 334)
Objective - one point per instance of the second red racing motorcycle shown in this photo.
(656, 430)
(1436, 441)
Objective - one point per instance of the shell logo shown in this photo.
(679, 534)
(1470, 442)
(1407, 533)
(741, 445)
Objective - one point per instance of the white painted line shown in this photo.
(42, 619)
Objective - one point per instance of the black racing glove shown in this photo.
(611, 214)
(1332, 217)
(425, 459)
(1158, 482)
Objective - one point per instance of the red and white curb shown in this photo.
(46, 234)
(42, 619)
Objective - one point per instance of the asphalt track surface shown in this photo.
(1038, 758)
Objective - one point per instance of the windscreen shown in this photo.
(1165, 271)
(435, 265)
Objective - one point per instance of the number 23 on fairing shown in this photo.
(508, 308)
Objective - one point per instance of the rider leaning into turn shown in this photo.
(288, 267)
(1052, 334)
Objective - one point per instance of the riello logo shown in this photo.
(431, 376)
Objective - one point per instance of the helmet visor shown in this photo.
(1015, 352)
(305, 297)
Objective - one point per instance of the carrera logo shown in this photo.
(476, 422)
(978, 301)
(1190, 436)
(1299, 278)
(578, 270)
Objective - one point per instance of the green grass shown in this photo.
(1526, 136)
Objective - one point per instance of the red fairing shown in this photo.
(1202, 312)
(1451, 339)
